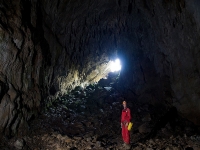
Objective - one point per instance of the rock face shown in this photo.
(20, 65)
(49, 47)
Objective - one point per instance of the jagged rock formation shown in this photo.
(49, 47)
(89, 119)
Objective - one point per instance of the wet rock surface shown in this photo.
(90, 119)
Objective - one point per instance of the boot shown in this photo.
(127, 146)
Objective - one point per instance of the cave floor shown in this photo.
(90, 119)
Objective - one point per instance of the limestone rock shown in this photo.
(19, 144)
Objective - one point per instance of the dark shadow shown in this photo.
(189, 148)
(130, 8)
(169, 117)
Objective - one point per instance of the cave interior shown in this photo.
(57, 87)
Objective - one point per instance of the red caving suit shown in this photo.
(125, 117)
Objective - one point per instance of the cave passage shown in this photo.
(89, 118)
(61, 89)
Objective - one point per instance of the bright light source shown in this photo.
(115, 65)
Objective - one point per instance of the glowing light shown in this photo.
(115, 65)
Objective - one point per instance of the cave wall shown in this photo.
(157, 42)
(167, 35)
(49, 47)
(20, 64)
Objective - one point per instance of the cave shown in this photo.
(57, 90)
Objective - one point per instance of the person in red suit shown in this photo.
(125, 119)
